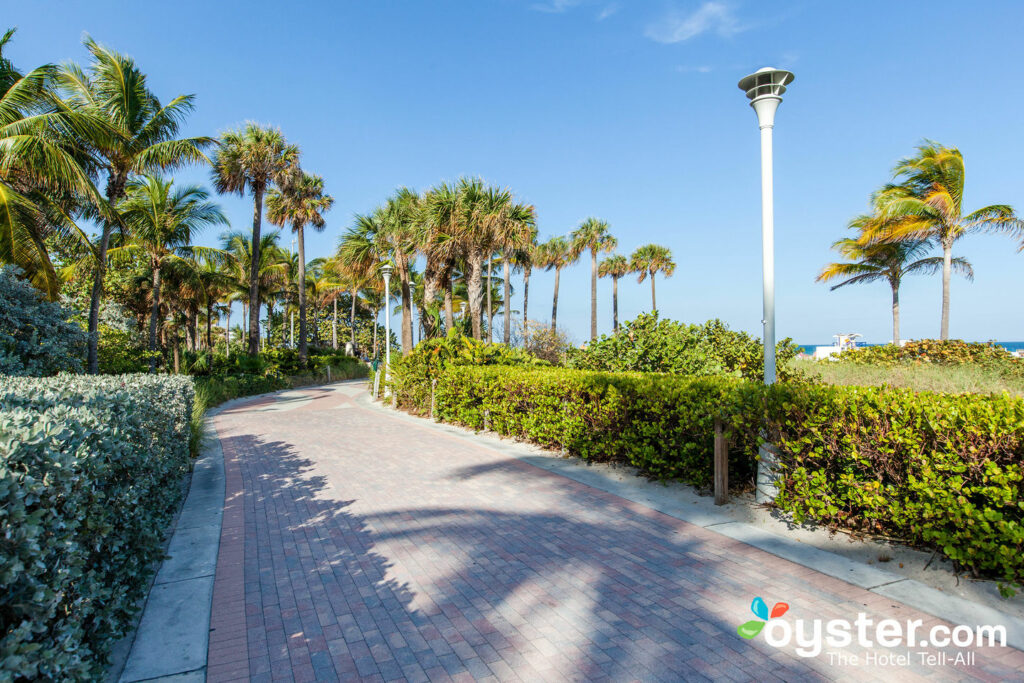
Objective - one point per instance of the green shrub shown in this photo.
(91, 476)
(649, 344)
(412, 374)
(121, 351)
(936, 352)
(943, 471)
(36, 337)
(661, 424)
(940, 470)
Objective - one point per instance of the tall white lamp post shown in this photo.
(764, 89)
(386, 271)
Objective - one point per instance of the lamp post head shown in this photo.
(764, 89)
(386, 272)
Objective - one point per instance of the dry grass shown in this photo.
(945, 378)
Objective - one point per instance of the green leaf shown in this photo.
(750, 629)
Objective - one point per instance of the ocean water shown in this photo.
(1009, 345)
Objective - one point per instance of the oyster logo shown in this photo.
(760, 609)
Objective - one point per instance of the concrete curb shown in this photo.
(173, 636)
(172, 639)
(913, 593)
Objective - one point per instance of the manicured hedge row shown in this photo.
(940, 470)
(91, 473)
(937, 470)
(656, 422)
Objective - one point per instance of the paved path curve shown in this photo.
(358, 546)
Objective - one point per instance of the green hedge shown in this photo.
(91, 476)
(942, 471)
(659, 423)
(945, 471)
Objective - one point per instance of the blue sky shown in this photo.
(628, 111)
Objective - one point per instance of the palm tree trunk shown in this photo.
(209, 324)
(895, 313)
(476, 293)
(407, 343)
(334, 326)
(947, 272)
(615, 304)
(115, 190)
(303, 346)
(507, 335)
(491, 308)
(526, 299)
(177, 351)
(270, 319)
(554, 302)
(654, 300)
(154, 318)
(352, 317)
(94, 302)
(227, 333)
(593, 294)
(254, 270)
(449, 309)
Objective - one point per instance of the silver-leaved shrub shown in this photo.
(36, 337)
(90, 475)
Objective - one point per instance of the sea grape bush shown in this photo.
(937, 352)
(91, 474)
(36, 337)
(652, 344)
(943, 471)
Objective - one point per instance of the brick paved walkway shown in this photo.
(358, 546)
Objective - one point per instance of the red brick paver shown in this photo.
(358, 546)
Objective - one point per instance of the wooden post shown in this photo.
(376, 384)
(721, 466)
(433, 398)
(487, 420)
(328, 374)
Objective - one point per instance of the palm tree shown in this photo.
(888, 261)
(520, 231)
(649, 260)
(390, 232)
(43, 177)
(927, 204)
(162, 222)
(440, 217)
(556, 253)
(593, 234)
(524, 259)
(216, 281)
(475, 236)
(269, 263)
(253, 158)
(615, 267)
(300, 203)
(114, 90)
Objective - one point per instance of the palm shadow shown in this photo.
(596, 593)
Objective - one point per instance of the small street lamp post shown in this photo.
(764, 89)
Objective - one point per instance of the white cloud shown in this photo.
(702, 69)
(608, 11)
(712, 16)
(555, 6)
